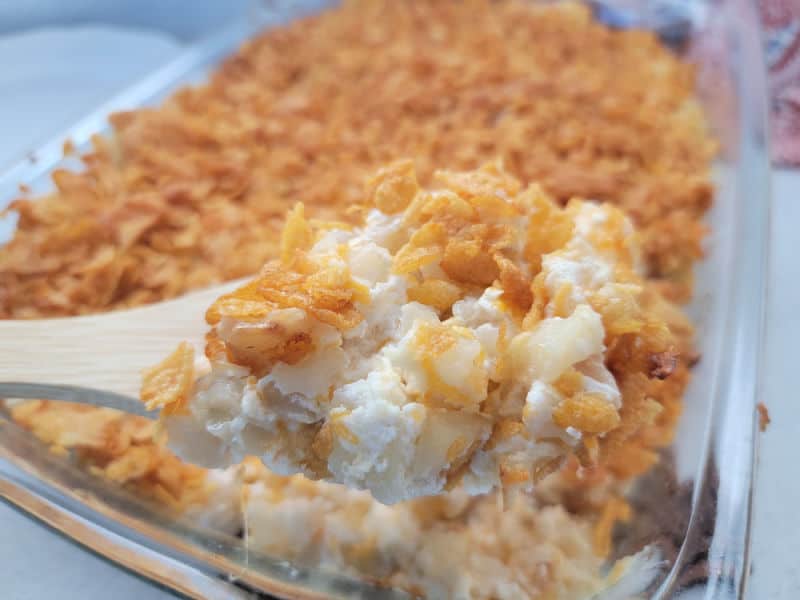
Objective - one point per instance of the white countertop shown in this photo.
(776, 531)
(39, 565)
(51, 78)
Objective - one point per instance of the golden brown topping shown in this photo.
(467, 260)
(620, 311)
(424, 248)
(215, 347)
(296, 234)
(515, 284)
(192, 192)
(549, 228)
(327, 292)
(463, 228)
(587, 412)
(569, 383)
(540, 300)
(490, 181)
(167, 385)
(243, 304)
(438, 293)
(393, 188)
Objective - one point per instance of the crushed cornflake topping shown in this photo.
(167, 385)
(120, 447)
(193, 192)
(475, 334)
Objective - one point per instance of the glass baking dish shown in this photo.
(704, 483)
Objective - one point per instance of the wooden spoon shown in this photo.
(98, 359)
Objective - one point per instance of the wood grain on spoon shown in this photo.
(106, 351)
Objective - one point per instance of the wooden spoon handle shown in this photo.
(107, 351)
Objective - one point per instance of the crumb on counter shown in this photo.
(763, 417)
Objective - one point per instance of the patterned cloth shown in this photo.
(672, 20)
(781, 22)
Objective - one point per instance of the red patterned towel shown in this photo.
(781, 21)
